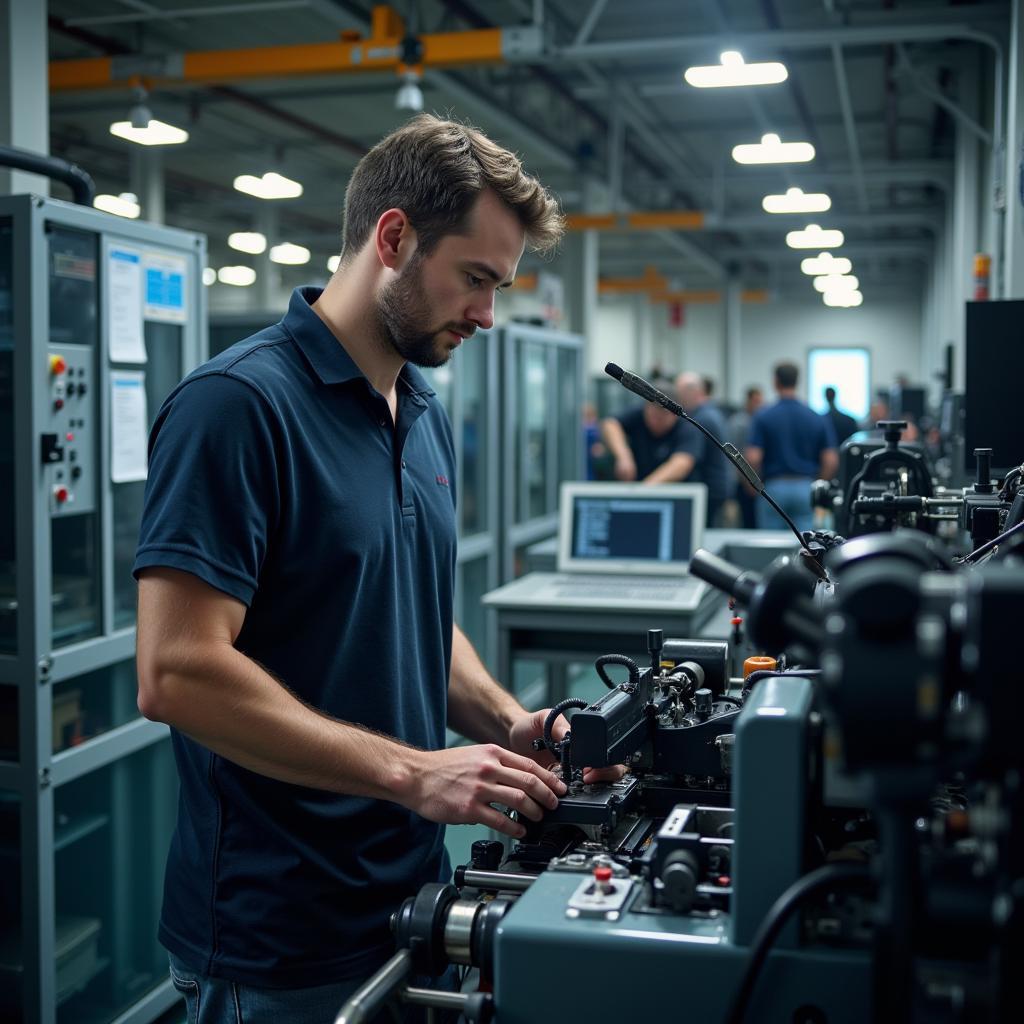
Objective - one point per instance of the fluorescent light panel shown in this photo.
(843, 300)
(156, 133)
(241, 277)
(124, 205)
(248, 241)
(772, 150)
(289, 254)
(814, 237)
(836, 283)
(271, 186)
(825, 263)
(733, 72)
(795, 200)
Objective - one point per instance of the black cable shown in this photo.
(771, 673)
(986, 548)
(728, 698)
(650, 393)
(617, 659)
(775, 920)
(562, 705)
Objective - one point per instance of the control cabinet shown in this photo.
(100, 317)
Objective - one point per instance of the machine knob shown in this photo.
(679, 877)
(704, 700)
(58, 365)
(486, 854)
(61, 495)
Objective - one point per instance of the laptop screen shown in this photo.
(630, 528)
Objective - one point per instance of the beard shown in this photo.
(403, 316)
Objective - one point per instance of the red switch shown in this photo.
(61, 494)
(69, 436)
(58, 364)
(58, 404)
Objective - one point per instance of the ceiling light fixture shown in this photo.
(248, 241)
(124, 205)
(241, 277)
(825, 263)
(271, 186)
(209, 276)
(409, 95)
(836, 283)
(332, 263)
(289, 254)
(796, 200)
(733, 71)
(772, 150)
(814, 237)
(843, 300)
(142, 128)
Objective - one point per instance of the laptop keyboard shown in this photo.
(616, 587)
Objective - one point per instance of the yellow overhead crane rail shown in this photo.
(382, 51)
(648, 220)
(657, 288)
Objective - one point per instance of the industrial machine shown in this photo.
(837, 837)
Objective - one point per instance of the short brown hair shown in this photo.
(786, 375)
(434, 170)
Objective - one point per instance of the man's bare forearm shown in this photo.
(478, 707)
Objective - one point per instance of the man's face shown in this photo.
(659, 421)
(754, 401)
(438, 300)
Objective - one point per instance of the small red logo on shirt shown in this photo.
(441, 479)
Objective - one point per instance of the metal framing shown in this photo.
(36, 666)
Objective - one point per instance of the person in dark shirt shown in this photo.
(789, 446)
(651, 444)
(296, 572)
(843, 425)
(712, 469)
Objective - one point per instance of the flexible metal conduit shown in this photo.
(80, 183)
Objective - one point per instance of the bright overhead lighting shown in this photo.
(292, 255)
(796, 200)
(825, 263)
(248, 241)
(836, 283)
(271, 186)
(242, 277)
(332, 263)
(772, 150)
(209, 276)
(155, 133)
(732, 71)
(814, 237)
(409, 95)
(843, 300)
(124, 205)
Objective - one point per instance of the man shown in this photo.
(296, 578)
(843, 425)
(651, 444)
(739, 430)
(789, 445)
(712, 469)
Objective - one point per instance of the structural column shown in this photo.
(1013, 252)
(147, 176)
(24, 91)
(733, 386)
(580, 267)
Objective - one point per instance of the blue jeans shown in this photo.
(792, 494)
(217, 1001)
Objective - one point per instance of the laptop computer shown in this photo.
(621, 545)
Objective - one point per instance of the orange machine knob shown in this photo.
(759, 663)
(58, 365)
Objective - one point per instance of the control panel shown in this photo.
(68, 447)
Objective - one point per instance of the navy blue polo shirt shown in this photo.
(714, 468)
(649, 450)
(792, 437)
(275, 475)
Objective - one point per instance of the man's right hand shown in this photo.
(625, 467)
(457, 787)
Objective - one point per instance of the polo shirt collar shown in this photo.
(331, 363)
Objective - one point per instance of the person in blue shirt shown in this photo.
(651, 444)
(789, 446)
(713, 468)
(296, 571)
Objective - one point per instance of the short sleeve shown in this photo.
(687, 440)
(828, 433)
(212, 497)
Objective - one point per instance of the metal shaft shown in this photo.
(364, 1003)
(496, 880)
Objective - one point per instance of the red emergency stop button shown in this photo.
(603, 874)
(58, 365)
(69, 436)
(61, 495)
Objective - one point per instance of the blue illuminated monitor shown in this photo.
(630, 528)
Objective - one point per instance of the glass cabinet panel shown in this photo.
(93, 703)
(473, 584)
(8, 602)
(112, 829)
(570, 435)
(473, 494)
(11, 955)
(163, 372)
(534, 414)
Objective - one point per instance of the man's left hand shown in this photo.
(527, 728)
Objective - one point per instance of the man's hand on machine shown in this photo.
(527, 728)
(458, 786)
